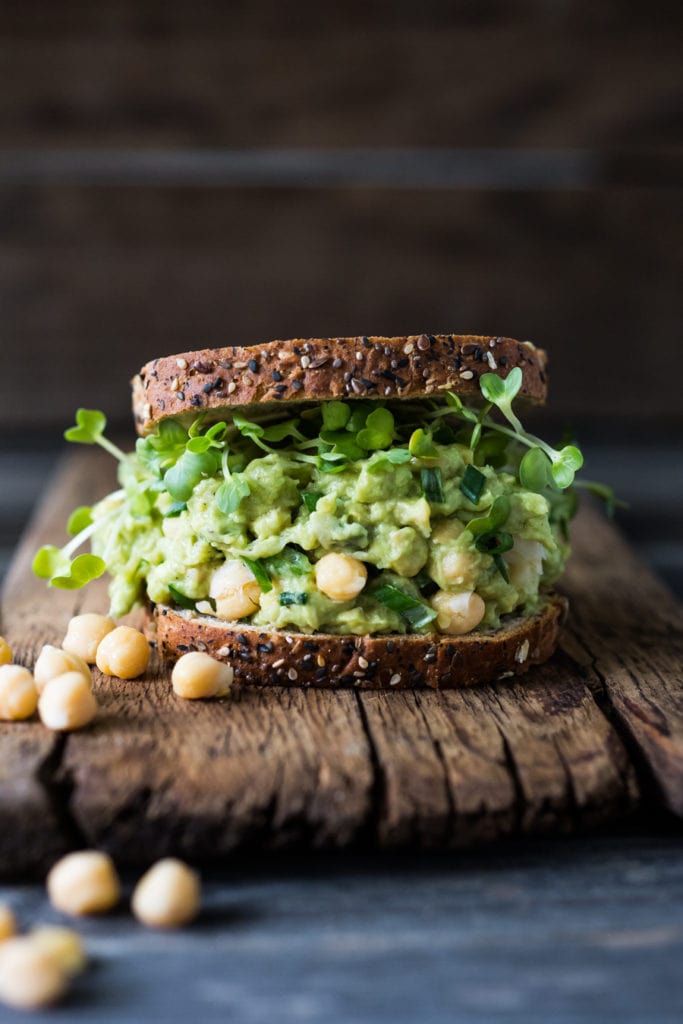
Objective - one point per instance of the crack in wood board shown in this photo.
(558, 750)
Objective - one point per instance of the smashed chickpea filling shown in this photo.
(380, 541)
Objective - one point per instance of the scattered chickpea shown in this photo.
(458, 613)
(63, 944)
(5, 652)
(18, 694)
(235, 590)
(30, 977)
(84, 883)
(85, 633)
(67, 702)
(8, 926)
(124, 653)
(340, 577)
(196, 675)
(53, 662)
(168, 895)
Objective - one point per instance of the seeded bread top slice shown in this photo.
(321, 369)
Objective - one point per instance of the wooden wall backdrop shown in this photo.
(179, 174)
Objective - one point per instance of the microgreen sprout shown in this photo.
(56, 565)
(233, 489)
(89, 429)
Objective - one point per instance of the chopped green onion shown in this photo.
(494, 543)
(473, 483)
(183, 601)
(432, 485)
(260, 573)
(287, 598)
(415, 612)
(501, 566)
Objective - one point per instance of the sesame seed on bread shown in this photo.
(321, 369)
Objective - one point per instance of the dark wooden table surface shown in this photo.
(586, 931)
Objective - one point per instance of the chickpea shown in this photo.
(85, 633)
(409, 551)
(168, 895)
(5, 652)
(340, 577)
(235, 590)
(196, 675)
(85, 882)
(124, 653)
(30, 977)
(458, 613)
(8, 925)
(525, 562)
(67, 703)
(18, 694)
(53, 662)
(63, 944)
(457, 567)
(447, 530)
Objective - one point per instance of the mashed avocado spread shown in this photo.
(352, 517)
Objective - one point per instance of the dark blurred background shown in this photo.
(176, 175)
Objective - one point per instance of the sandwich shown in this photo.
(346, 512)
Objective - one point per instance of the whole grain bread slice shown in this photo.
(320, 369)
(270, 657)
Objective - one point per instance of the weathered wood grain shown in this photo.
(628, 632)
(568, 748)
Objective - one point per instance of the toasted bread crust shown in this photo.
(270, 657)
(320, 369)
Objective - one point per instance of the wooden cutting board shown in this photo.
(577, 744)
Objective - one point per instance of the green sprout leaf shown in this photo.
(289, 562)
(566, 465)
(49, 561)
(378, 432)
(343, 443)
(455, 402)
(421, 445)
(82, 570)
(191, 467)
(230, 494)
(90, 426)
(502, 392)
(79, 519)
(497, 517)
(89, 429)
(335, 415)
(395, 456)
(310, 499)
(535, 470)
(260, 573)
(279, 431)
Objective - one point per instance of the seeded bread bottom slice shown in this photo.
(321, 369)
(268, 657)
